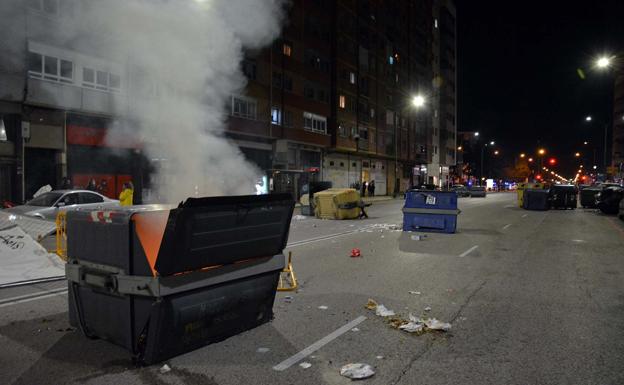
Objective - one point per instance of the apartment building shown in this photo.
(331, 99)
(618, 125)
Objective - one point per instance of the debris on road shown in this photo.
(263, 350)
(380, 310)
(323, 307)
(357, 371)
(356, 253)
(415, 325)
(165, 369)
(418, 237)
(288, 299)
(380, 357)
(434, 324)
(298, 217)
(415, 292)
(355, 330)
(305, 365)
(412, 324)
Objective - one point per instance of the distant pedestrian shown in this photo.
(92, 186)
(371, 188)
(103, 187)
(126, 197)
(363, 189)
(66, 184)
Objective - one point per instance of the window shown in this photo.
(67, 70)
(100, 80)
(313, 122)
(351, 77)
(70, 199)
(50, 68)
(435, 149)
(243, 107)
(288, 83)
(342, 131)
(372, 112)
(322, 95)
(249, 68)
(86, 198)
(276, 116)
(287, 49)
(342, 101)
(288, 118)
(277, 80)
(308, 91)
(50, 7)
(35, 64)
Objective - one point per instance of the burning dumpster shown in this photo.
(161, 282)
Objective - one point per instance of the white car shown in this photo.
(47, 205)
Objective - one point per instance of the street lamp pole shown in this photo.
(481, 173)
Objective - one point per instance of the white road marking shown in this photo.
(506, 226)
(508, 206)
(287, 363)
(525, 215)
(323, 238)
(31, 297)
(470, 250)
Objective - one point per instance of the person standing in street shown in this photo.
(363, 189)
(92, 186)
(371, 188)
(126, 196)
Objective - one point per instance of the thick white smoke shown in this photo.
(183, 63)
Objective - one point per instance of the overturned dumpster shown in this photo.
(161, 282)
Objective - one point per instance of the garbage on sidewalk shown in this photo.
(380, 310)
(415, 325)
(357, 371)
(355, 253)
(22, 259)
(165, 369)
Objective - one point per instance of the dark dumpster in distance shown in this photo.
(588, 196)
(608, 199)
(161, 282)
(535, 199)
(477, 192)
(563, 196)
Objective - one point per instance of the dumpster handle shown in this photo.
(82, 326)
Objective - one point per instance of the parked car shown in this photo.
(426, 186)
(47, 205)
(477, 192)
(460, 190)
(609, 198)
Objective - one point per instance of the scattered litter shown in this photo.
(305, 365)
(355, 253)
(165, 369)
(434, 324)
(357, 371)
(312, 357)
(415, 292)
(263, 350)
(428, 308)
(418, 237)
(415, 325)
(355, 330)
(314, 225)
(323, 307)
(371, 304)
(384, 226)
(380, 357)
(288, 299)
(382, 311)
(351, 225)
(383, 236)
(298, 217)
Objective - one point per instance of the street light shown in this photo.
(603, 62)
(588, 118)
(476, 133)
(491, 143)
(530, 160)
(482, 153)
(496, 152)
(522, 155)
(577, 154)
(459, 148)
(418, 101)
(541, 151)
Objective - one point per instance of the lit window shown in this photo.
(342, 101)
(351, 77)
(287, 49)
(435, 23)
(276, 116)
(390, 60)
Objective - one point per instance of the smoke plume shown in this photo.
(183, 60)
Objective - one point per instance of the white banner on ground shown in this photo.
(23, 259)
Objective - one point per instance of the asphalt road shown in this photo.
(533, 298)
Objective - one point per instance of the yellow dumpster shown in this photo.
(525, 186)
(337, 203)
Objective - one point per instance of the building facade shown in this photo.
(618, 126)
(329, 100)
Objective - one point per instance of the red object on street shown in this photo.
(355, 253)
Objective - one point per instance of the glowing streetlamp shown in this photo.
(522, 155)
(476, 133)
(530, 160)
(577, 154)
(459, 148)
(418, 101)
(588, 118)
(541, 151)
(603, 62)
(496, 152)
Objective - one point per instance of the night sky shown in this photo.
(517, 74)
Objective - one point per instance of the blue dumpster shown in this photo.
(430, 211)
